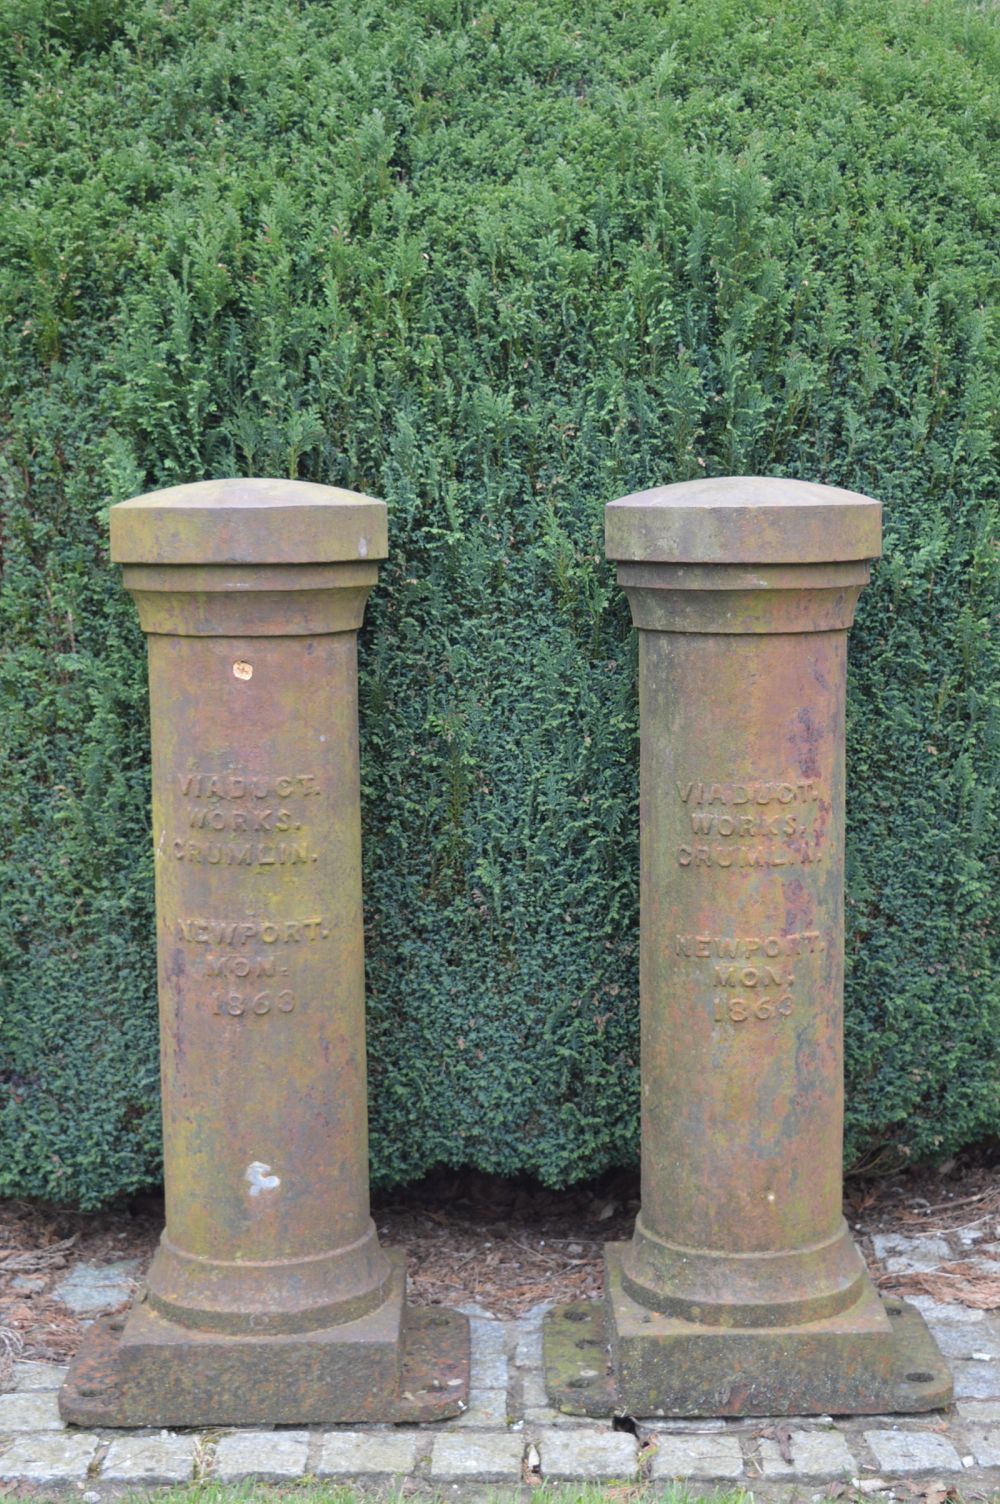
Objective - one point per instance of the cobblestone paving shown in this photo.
(509, 1433)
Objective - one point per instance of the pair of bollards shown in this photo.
(270, 1298)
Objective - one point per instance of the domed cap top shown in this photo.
(248, 522)
(743, 520)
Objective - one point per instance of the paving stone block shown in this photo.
(385, 1454)
(28, 1284)
(30, 1410)
(488, 1373)
(913, 1452)
(528, 1346)
(697, 1457)
(545, 1415)
(588, 1454)
(979, 1410)
(533, 1392)
(150, 1459)
(961, 1341)
(815, 1454)
(910, 1255)
(683, 1427)
(986, 1447)
(535, 1316)
(935, 1310)
(490, 1456)
(975, 1380)
(261, 1454)
(39, 1375)
(49, 1457)
(98, 1287)
(487, 1339)
(487, 1407)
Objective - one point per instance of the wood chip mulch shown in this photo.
(473, 1238)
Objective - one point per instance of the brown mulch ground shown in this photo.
(474, 1238)
(470, 1237)
(960, 1196)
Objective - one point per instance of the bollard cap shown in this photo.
(743, 520)
(249, 522)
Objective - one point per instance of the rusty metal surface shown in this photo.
(616, 1356)
(743, 519)
(434, 1382)
(743, 592)
(250, 593)
(399, 1364)
(90, 1395)
(248, 521)
(576, 1355)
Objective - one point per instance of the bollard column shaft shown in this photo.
(742, 972)
(270, 1298)
(741, 1291)
(261, 971)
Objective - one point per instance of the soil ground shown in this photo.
(501, 1244)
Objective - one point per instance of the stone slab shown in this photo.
(487, 1339)
(913, 1452)
(815, 1454)
(544, 1415)
(491, 1457)
(487, 1407)
(91, 1288)
(934, 1311)
(535, 1315)
(697, 1457)
(533, 1395)
(588, 1454)
(38, 1375)
(346, 1454)
(979, 1410)
(150, 1459)
(28, 1284)
(261, 1454)
(30, 1410)
(910, 1255)
(975, 1380)
(528, 1346)
(959, 1340)
(986, 1447)
(49, 1457)
(488, 1373)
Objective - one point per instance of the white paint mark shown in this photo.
(259, 1178)
(243, 670)
(363, 548)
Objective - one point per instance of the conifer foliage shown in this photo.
(496, 262)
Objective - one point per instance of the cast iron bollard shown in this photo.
(742, 1292)
(269, 1299)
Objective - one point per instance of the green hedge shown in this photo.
(498, 263)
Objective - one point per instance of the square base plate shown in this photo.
(877, 1357)
(398, 1363)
